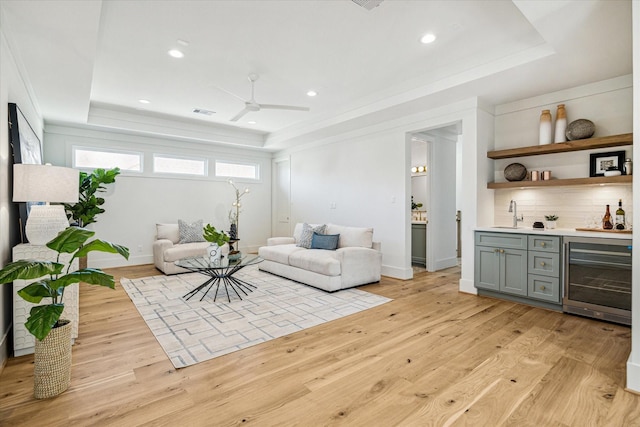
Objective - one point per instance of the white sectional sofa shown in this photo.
(356, 261)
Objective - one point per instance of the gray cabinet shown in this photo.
(544, 268)
(501, 263)
(419, 244)
(521, 267)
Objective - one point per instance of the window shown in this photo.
(89, 158)
(237, 170)
(180, 165)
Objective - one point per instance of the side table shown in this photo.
(23, 341)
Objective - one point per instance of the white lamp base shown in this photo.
(44, 223)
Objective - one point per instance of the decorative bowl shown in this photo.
(515, 172)
(580, 129)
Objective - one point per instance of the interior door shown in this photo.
(282, 198)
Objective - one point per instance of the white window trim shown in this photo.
(176, 174)
(74, 148)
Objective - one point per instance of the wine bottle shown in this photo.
(606, 220)
(620, 218)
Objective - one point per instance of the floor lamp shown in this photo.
(45, 183)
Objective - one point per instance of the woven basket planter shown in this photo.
(52, 359)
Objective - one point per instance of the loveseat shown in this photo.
(171, 245)
(343, 257)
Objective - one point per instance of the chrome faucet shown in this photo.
(514, 208)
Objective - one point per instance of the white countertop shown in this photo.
(557, 232)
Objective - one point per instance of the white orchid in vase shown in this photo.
(234, 213)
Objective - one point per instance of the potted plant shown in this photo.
(52, 370)
(85, 210)
(216, 239)
(551, 221)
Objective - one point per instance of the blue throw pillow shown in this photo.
(325, 241)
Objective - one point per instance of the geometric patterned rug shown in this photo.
(194, 331)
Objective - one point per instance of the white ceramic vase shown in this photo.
(214, 253)
(561, 125)
(551, 225)
(545, 128)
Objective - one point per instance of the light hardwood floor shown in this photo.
(433, 356)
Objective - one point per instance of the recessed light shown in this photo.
(182, 42)
(144, 101)
(312, 93)
(428, 38)
(175, 53)
(252, 122)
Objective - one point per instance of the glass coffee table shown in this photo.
(221, 273)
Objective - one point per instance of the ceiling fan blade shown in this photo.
(283, 107)
(240, 114)
(230, 93)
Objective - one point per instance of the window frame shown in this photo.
(76, 148)
(255, 165)
(205, 160)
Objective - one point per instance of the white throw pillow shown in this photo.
(168, 231)
(352, 236)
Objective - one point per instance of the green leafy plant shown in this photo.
(212, 235)
(85, 210)
(415, 205)
(73, 240)
(551, 217)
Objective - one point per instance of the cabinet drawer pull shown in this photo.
(542, 244)
(496, 251)
(542, 288)
(501, 251)
(542, 263)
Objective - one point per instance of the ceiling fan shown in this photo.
(251, 105)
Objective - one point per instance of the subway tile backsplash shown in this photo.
(576, 207)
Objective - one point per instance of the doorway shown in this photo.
(437, 183)
(281, 185)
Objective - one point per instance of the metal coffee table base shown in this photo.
(225, 278)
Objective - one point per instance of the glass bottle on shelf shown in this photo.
(620, 217)
(606, 220)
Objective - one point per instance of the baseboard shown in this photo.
(633, 375)
(121, 262)
(397, 273)
(4, 348)
(441, 264)
(467, 286)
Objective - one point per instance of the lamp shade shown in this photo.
(45, 183)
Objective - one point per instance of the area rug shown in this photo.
(194, 331)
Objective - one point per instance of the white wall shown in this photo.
(367, 189)
(13, 88)
(136, 202)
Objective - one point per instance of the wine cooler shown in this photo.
(598, 278)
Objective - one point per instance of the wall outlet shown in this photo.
(332, 205)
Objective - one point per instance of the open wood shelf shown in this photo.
(621, 179)
(564, 147)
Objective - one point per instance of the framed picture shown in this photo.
(27, 149)
(600, 162)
